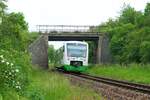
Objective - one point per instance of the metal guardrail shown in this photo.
(66, 29)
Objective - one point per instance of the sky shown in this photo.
(70, 12)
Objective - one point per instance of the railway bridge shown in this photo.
(39, 47)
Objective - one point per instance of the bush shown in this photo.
(14, 69)
(34, 94)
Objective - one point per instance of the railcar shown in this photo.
(75, 56)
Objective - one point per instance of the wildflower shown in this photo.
(1, 56)
(11, 64)
(17, 70)
(12, 71)
(9, 73)
(18, 87)
(7, 63)
(3, 61)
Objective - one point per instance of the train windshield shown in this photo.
(76, 50)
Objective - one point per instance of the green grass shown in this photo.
(133, 72)
(51, 86)
(46, 85)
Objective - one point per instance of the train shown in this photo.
(75, 56)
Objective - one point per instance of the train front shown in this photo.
(76, 56)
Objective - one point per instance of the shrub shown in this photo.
(35, 94)
(13, 70)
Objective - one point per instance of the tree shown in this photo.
(119, 40)
(58, 56)
(128, 15)
(13, 43)
(147, 10)
(2, 9)
(129, 35)
(51, 54)
(14, 31)
(55, 56)
(92, 52)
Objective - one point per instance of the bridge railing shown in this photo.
(66, 29)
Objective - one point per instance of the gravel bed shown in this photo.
(108, 92)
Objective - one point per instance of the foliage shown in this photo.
(129, 35)
(128, 15)
(147, 10)
(2, 7)
(54, 56)
(14, 58)
(33, 36)
(13, 32)
(51, 54)
(92, 52)
(13, 71)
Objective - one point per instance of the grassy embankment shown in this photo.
(51, 86)
(133, 72)
(45, 85)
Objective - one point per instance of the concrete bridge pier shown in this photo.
(103, 51)
(39, 51)
(98, 56)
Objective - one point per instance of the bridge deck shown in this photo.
(67, 29)
(70, 32)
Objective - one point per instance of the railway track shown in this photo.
(128, 85)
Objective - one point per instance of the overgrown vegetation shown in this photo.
(33, 36)
(92, 52)
(54, 56)
(14, 60)
(133, 72)
(129, 35)
(52, 86)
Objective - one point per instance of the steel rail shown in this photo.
(128, 85)
(124, 84)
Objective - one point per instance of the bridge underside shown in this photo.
(101, 52)
(72, 38)
(79, 37)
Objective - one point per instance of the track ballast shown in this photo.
(128, 85)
